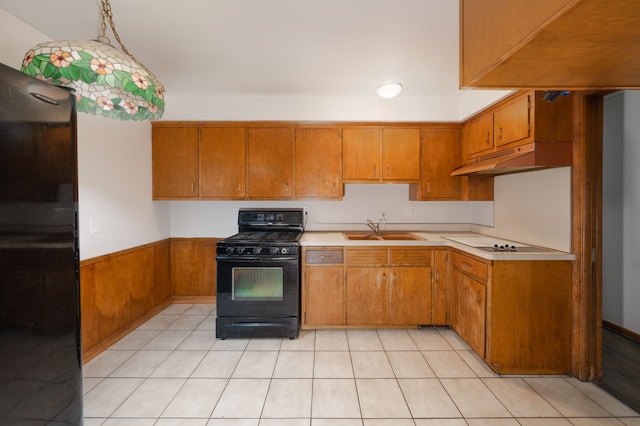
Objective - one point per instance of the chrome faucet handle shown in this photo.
(375, 227)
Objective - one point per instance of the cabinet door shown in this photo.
(440, 155)
(222, 162)
(470, 313)
(193, 267)
(323, 295)
(361, 154)
(481, 135)
(441, 292)
(367, 290)
(410, 295)
(512, 122)
(175, 162)
(401, 154)
(318, 163)
(270, 163)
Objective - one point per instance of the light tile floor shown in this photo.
(171, 371)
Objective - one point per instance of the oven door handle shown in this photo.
(258, 258)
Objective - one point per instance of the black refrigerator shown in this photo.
(40, 351)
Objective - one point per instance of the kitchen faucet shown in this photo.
(375, 227)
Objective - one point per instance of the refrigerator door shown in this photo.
(40, 352)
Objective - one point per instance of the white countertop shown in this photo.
(435, 239)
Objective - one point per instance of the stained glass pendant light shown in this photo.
(106, 81)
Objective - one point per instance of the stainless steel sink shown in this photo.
(382, 236)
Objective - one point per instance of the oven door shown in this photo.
(257, 287)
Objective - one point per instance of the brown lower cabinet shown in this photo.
(366, 286)
(515, 314)
(388, 286)
(193, 267)
(469, 278)
(323, 286)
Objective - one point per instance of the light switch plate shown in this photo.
(94, 226)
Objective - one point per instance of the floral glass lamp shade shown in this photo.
(105, 80)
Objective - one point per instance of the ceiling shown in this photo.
(273, 47)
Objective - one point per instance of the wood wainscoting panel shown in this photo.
(119, 291)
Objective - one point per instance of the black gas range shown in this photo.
(258, 275)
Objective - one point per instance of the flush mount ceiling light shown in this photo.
(106, 81)
(389, 89)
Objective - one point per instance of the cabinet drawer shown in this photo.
(471, 267)
(324, 256)
(367, 257)
(410, 256)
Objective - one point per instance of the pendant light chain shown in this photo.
(107, 15)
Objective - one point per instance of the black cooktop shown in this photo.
(265, 236)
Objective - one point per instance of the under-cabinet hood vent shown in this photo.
(532, 156)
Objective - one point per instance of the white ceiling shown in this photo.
(273, 47)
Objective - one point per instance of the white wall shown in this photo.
(612, 213)
(621, 210)
(114, 176)
(534, 207)
(329, 108)
(361, 202)
(473, 100)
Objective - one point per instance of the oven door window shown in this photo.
(257, 284)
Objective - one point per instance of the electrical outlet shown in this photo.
(305, 217)
(409, 211)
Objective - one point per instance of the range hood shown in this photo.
(532, 156)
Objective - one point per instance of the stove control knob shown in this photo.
(275, 250)
(229, 250)
(284, 250)
(240, 250)
(257, 250)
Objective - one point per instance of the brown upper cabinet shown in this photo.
(223, 162)
(480, 134)
(381, 155)
(549, 44)
(283, 160)
(521, 118)
(175, 163)
(440, 155)
(270, 163)
(318, 163)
